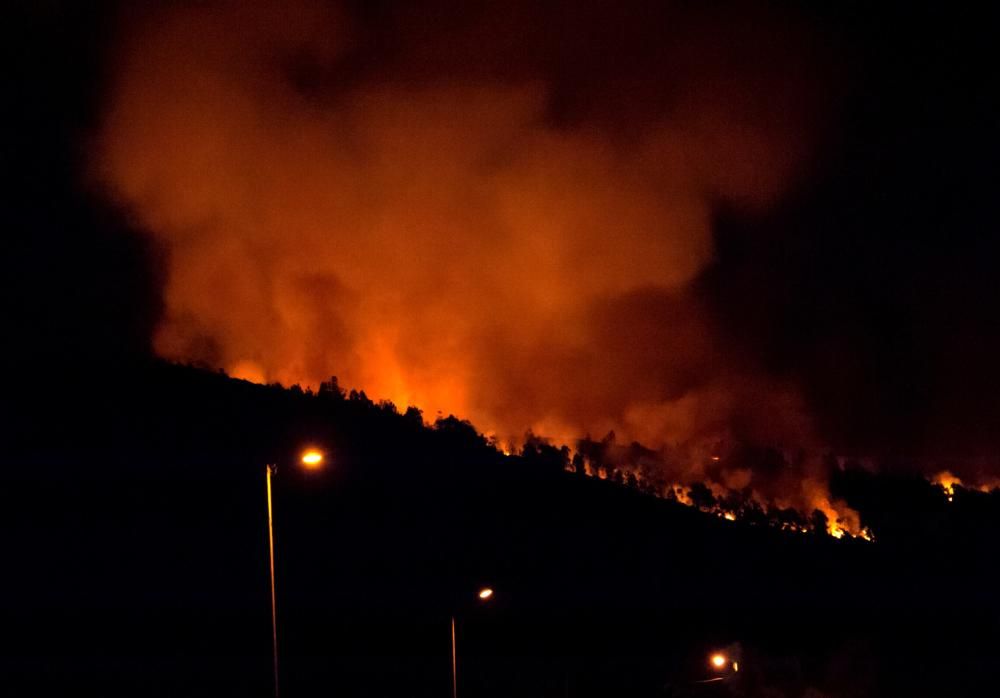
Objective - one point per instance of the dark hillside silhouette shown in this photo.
(145, 571)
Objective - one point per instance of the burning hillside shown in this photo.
(467, 216)
(440, 233)
(733, 486)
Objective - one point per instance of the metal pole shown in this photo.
(274, 612)
(454, 664)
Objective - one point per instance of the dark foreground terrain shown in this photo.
(135, 563)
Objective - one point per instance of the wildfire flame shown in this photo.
(440, 238)
(948, 481)
(841, 521)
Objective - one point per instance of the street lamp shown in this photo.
(485, 594)
(311, 459)
(726, 662)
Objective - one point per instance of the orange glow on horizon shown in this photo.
(247, 371)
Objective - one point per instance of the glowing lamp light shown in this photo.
(312, 459)
(485, 594)
(718, 660)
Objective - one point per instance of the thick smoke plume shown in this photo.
(499, 212)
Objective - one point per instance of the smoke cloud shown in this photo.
(501, 212)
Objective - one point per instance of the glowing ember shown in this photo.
(485, 594)
(718, 661)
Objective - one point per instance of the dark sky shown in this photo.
(869, 283)
(878, 285)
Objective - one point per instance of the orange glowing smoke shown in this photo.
(428, 228)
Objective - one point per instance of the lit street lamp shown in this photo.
(722, 662)
(311, 459)
(485, 594)
(725, 663)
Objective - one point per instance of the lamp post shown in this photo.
(311, 460)
(485, 594)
